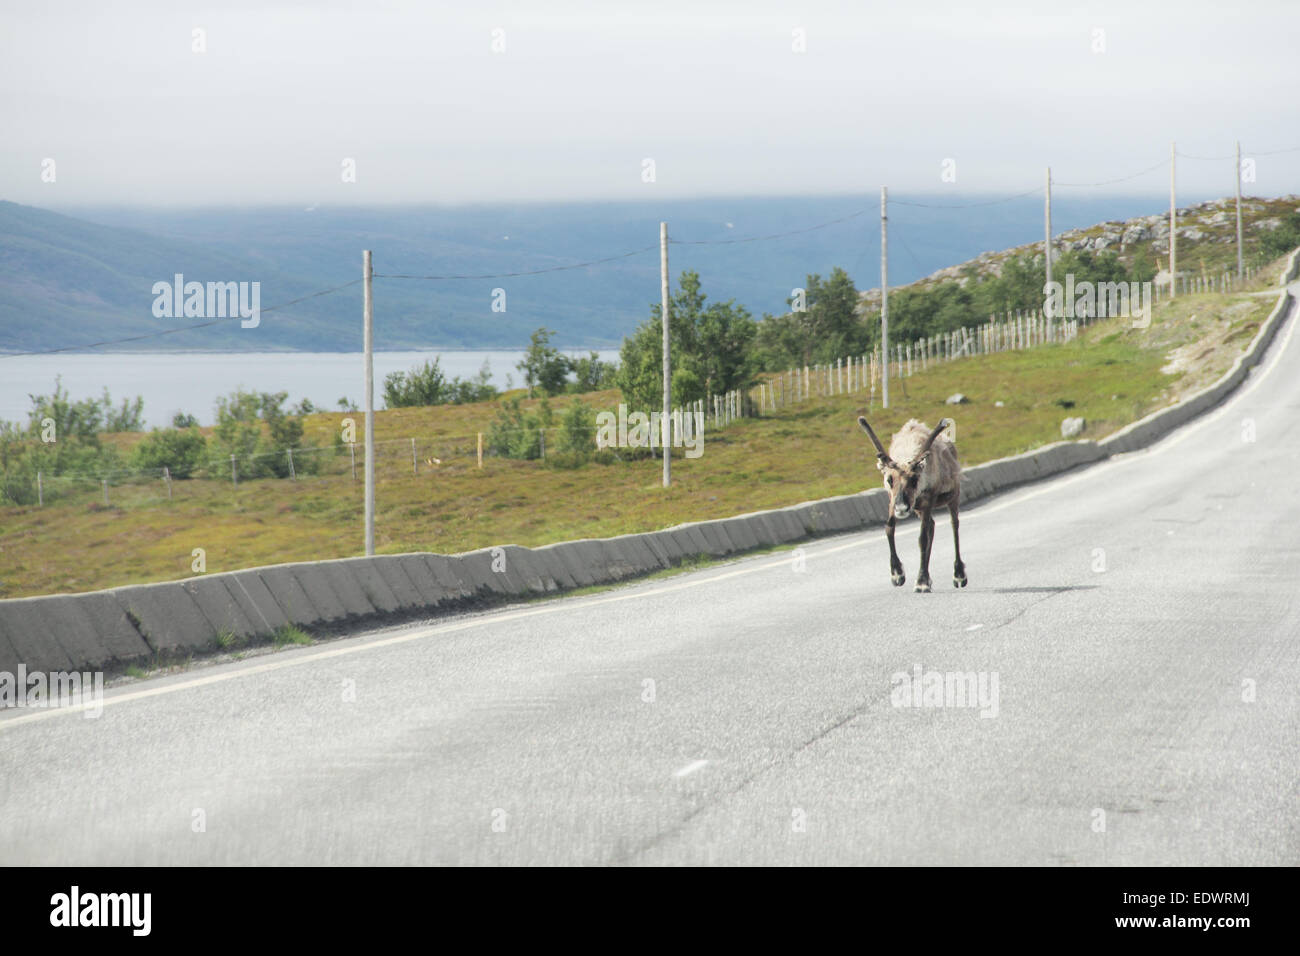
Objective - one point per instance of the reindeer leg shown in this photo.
(895, 566)
(958, 569)
(927, 541)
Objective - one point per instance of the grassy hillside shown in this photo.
(1111, 375)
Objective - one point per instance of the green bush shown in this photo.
(61, 439)
(427, 385)
(577, 434)
(591, 374)
(255, 428)
(545, 369)
(180, 450)
(1283, 239)
(516, 433)
(712, 349)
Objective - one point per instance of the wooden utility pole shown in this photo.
(1173, 226)
(666, 425)
(1047, 245)
(367, 274)
(884, 293)
(1238, 178)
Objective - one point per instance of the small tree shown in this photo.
(711, 348)
(476, 389)
(544, 368)
(423, 385)
(516, 433)
(180, 451)
(591, 374)
(577, 433)
(127, 417)
(255, 428)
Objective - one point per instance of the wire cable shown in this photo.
(1215, 159)
(774, 235)
(529, 272)
(1121, 179)
(969, 205)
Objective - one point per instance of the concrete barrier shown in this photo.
(219, 606)
(106, 630)
(167, 618)
(255, 599)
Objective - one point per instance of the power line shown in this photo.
(1214, 159)
(510, 275)
(634, 252)
(899, 235)
(1121, 179)
(184, 328)
(969, 205)
(1274, 152)
(774, 235)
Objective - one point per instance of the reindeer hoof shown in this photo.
(923, 587)
(959, 582)
(898, 578)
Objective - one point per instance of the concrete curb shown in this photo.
(113, 629)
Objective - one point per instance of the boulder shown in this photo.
(1072, 427)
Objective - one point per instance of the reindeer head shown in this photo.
(903, 479)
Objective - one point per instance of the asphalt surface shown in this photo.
(1141, 618)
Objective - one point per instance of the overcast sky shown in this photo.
(582, 93)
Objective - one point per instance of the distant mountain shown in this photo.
(86, 276)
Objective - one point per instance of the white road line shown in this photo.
(1093, 472)
(690, 768)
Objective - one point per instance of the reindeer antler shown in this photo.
(938, 430)
(880, 449)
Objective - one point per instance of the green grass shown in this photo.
(290, 634)
(1112, 375)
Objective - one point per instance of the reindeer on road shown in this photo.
(921, 472)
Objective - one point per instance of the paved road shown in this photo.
(1121, 732)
